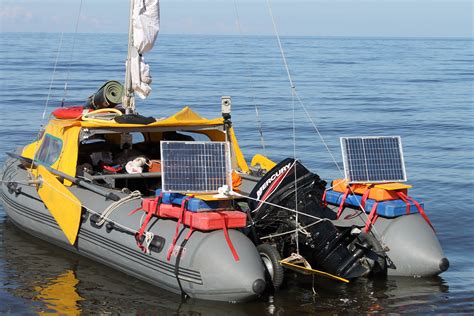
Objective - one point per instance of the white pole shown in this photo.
(128, 99)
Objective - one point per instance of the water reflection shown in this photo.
(48, 279)
(52, 280)
(364, 295)
(60, 294)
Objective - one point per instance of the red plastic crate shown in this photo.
(215, 220)
(201, 221)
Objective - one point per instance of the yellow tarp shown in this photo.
(68, 132)
(185, 117)
(263, 161)
(69, 135)
(61, 203)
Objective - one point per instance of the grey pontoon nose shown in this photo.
(259, 286)
(444, 264)
(224, 278)
(414, 248)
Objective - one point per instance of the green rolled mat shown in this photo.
(109, 95)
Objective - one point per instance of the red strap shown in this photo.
(372, 217)
(149, 215)
(365, 196)
(406, 198)
(190, 229)
(145, 223)
(403, 197)
(140, 233)
(135, 210)
(323, 200)
(178, 224)
(227, 238)
(343, 201)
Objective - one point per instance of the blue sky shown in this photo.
(391, 18)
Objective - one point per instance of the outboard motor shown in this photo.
(324, 246)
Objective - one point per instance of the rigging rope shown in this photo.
(250, 72)
(131, 230)
(134, 195)
(46, 105)
(301, 229)
(72, 53)
(52, 77)
(275, 205)
(114, 206)
(293, 95)
(294, 166)
(282, 52)
(300, 101)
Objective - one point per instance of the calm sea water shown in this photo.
(419, 89)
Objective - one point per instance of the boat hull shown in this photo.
(206, 269)
(411, 245)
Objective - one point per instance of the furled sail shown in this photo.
(145, 27)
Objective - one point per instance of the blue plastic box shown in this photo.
(392, 208)
(194, 204)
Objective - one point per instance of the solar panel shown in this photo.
(195, 167)
(373, 159)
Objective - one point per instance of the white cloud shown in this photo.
(15, 12)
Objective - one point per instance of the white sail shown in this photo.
(145, 27)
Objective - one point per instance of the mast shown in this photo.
(129, 98)
(142, 32)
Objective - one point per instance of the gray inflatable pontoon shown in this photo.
(66, 159)
(206, 269)
(346, 245)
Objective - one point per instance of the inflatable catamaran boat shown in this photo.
(173, 201)
(147, 199)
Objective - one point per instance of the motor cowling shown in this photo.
(325, 246)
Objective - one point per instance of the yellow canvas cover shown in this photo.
(185, 117)
(68, 131)
(69, 135)
(61, 203)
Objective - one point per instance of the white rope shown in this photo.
(147, 241)
(335, 185)
(260, 128)
(274, 190)
(293, 87)
(373, 230)
(250, 72)
(46, 105)
(295, 165)
(319, 134)
(114, 206)
(131, 230)
(275, 205)
(312, 287)
(295, 94)
(52, 77)
(269, 6)
(301, 229)
(72, 53)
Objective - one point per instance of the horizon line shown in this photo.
(261, 35)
